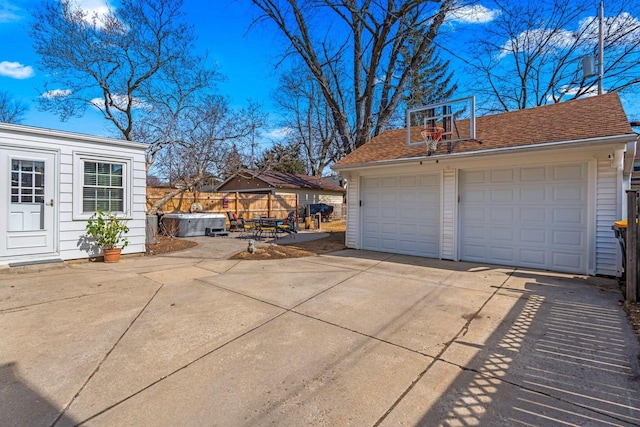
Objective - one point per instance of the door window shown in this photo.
(27, 181)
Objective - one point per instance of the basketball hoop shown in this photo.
(432, 137)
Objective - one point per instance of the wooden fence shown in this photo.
(248, 206)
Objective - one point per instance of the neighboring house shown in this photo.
(53, 181)
(310, 189)
(537, 188)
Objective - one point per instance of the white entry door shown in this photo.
(27, 226)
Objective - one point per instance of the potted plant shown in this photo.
(109, 233)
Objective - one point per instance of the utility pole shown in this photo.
(601, 48)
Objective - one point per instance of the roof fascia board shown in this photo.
(52, 133)
(520, 148)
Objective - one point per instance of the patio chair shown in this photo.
(235, 222)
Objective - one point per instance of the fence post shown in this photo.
(632, 246)
(269, 205)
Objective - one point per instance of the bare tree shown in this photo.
(206, 140)
(307, 119)
(355, 58)
(532, 53)
(132, 63)
(11, 110)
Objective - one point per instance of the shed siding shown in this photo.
(70, 230)
(607, 258)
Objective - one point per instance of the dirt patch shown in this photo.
(168, 244)
(334, 242)
(633, 311)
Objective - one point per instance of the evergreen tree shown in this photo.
(283, 158)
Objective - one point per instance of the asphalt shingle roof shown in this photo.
(594, 117)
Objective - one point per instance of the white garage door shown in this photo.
(402, 214)
(528, 216)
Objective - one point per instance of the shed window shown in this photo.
(103, 186)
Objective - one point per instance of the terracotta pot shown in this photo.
(111, 255)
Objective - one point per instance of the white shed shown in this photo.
(537, 188)
(53, 181)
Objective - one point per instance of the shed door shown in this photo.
(27, 226)
(528, 216)
(402, 214)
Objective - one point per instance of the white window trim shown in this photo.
(78, 180)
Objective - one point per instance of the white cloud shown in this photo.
(531, 40)
(624, 27)
(477, 14)
(16, 70)
(8, 12)
(279, 133)
(56, 93)
(94, 7)
(573, 90)
(119, 101)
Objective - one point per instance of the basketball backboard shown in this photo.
(456, 118)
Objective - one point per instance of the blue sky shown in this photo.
(246, 58)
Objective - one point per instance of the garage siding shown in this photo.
(449, 202)
(606, 214)
(401, 214)
(529, 216)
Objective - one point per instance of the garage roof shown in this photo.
(581, 119)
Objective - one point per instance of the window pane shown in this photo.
(15, 165)
(89, 167)
(90, 179)
(39, 167)
(14, 199)
(39, 199)
(104, 180)
(26, 166)
(14, 179)
(27, 180)
(103, 187)
(26, 199)
(39, 181)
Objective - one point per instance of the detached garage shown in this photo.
(537, 188)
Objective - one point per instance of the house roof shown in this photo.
(287, 180)
(587, 118)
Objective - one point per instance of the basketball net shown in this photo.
(432, 137)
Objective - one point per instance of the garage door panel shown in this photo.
(505, 234)
(566, 261)
(533, 236)
(532, 195)
(568, 238)
(503, 214)
(412, 205)
(472, 177)
(569, 173)
(505, 175)
(568, 216)
(569, 193)
(501, 253)
(534, 216)
(502, 195)
(533, 174)
(533, 257)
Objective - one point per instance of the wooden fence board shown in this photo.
(247, 205)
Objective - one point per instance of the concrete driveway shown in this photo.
(351, 338)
